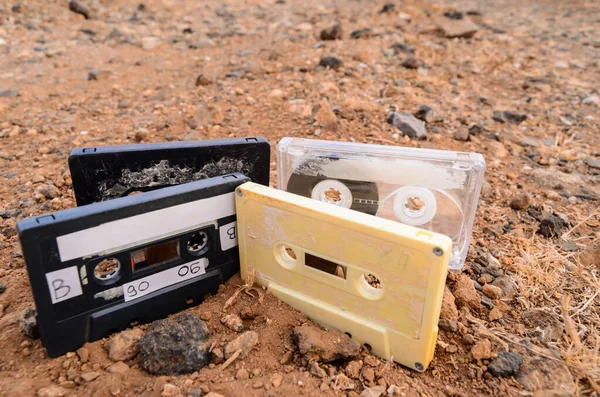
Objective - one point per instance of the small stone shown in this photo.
(411, 62)
(276, 379)
(331, 62)
(9, 93)
(428, 114)
(520, 202)
(149, 43)
(403, 48)
(317, 344)
(529, 141)
(465, 292)
(591, 100)
(375, 391)
(461, 134)
(203, 81)
(482, 350)
(495, 314)
(245, 342)
(286, 358)
(52, 391)
(448, 325)
(408, 124)
(216, 356)
(593, 162)
(124, 345)
(84, 354)
(2, 288)
(491, 291)
(174, 345)
(233, 322)
(248, 314)
(372, 361)
(543, 324)
(509, 287)
(242, 374)
(79, 7)
(141, 134)
(449, 310)
(316, 370)
(505, 116)
(463, 28)
(28, 323)
(90, 376)
(326, 117)
(353, 369)
(97, 75)
(200, 44)
(333, 32)
(170, 390)
(387, 8)
(368, 374)
(258, 385)
(361, 33)
(118, 368)
(505, 364)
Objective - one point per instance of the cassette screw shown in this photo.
(419, 366)
(437, 251)
(239, 192)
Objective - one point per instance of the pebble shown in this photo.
(9, 93)
(316, 370)
(448, 325)
(428, 114)
(520, 202)
(387, 8)
(408, 124)
(495, 314)
(591, 100)
(79, 7)
(331, 62)
(276, 379)
(28, 323)
(124, 345)
(353, 369)
(96, 74)
(258, 385)
(52, 391)
(411, 62)
(118, 368)
(150, 42)
(175, 345)
(465, 292)
(491, 291)
(506, 116)
(216, 356)
(170, 390)
(505, 364)
(2, 288)
(482, 350)
(372, 361)
(245, 342)
(361, 33)
(90, 376)
(368, 374)
(242, 374)
(233, 322)
(463, 28)
(461, 134)
(375, 391)
(203, 81)
(333, 32)
(317, 344)
(84, 354)
(509, 287)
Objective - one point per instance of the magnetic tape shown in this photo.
(105, 172)
(378, 280)
(102, 267)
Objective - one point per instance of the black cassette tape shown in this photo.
(106, 172)
(102, 267)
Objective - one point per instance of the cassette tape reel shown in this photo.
(102, 267)
(379, 281)
(431, 189)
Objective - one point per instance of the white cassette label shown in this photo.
(228, 234)
(64, 284)
(138, 288)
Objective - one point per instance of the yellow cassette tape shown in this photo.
(379, 281)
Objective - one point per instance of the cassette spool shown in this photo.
(105, 172)
(434, 190)
(105, 266)
(380, 281)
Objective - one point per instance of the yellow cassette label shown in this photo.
(378, 280)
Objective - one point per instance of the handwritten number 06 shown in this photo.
(193, 268)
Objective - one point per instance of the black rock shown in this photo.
(389, 7)
(361, 33)
(79, 7)
(550, 224)
(13, 213)
(456, 15)
(2, 288)
(9, 93)
(331, 62)
(28, 323)
(174, 346)
(505, 364)
(400, 47)
(487, 302)
(411, 62)
(505, 116)
(333, 32)
(476, 129)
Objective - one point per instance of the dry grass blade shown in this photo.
(231, 359)
(247, 288)
(570, 326)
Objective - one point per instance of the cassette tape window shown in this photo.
(431, 189)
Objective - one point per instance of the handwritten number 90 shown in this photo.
(141, 287)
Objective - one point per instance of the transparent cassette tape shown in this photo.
(436, 190)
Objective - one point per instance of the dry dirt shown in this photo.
(172, 70)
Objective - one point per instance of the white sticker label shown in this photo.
(64, 284)
(144, 286)
(228, 234)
